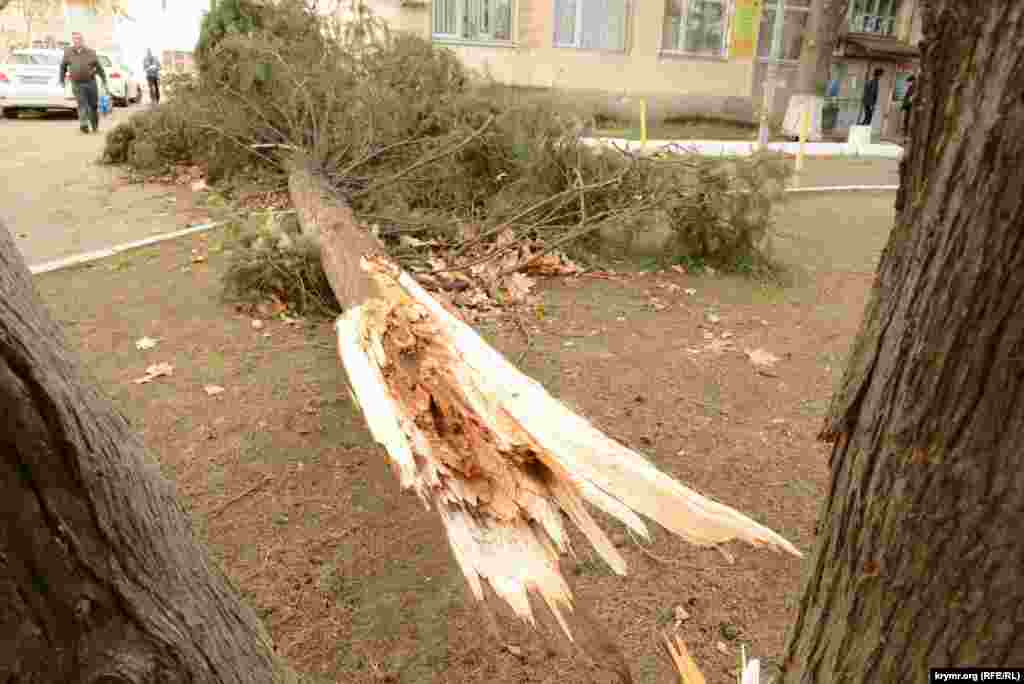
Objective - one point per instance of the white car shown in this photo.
(124, 87)
(30, 80)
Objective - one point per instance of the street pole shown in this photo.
(772, 73)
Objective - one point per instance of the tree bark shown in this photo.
(920, 560)
(101, 578)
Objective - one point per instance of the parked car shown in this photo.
(29, 80)
(125, 88)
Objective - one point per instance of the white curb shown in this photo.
(86, 257)
(846, 188)
(740, 148)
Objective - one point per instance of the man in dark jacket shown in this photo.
(870, 98)
(81, 65)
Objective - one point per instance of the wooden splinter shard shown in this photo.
(498, 457)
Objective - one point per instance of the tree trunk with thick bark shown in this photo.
(101, 578)
(920, 557)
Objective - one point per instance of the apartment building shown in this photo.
(704, 57)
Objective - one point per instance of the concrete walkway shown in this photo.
(57, 201)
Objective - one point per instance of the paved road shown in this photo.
(57, 200)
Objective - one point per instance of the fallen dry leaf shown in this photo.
(718, 346)
(714, 318)
(145, 343)
(552, 264)
(199, 185)
(722, 648)
(256, 324)
(762, 358)
(155, 371)
(690, 291)
(213, 390)
(681, 614)
(519, 286)
(198, 258)
(728, 557)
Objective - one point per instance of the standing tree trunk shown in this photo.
(920, 557)
(824, 23)
(101, 578)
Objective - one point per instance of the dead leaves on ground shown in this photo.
(494, 276)
(155, 371)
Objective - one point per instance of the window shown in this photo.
(696, 26)
(874, 16)
(488, 20)
(590, 24)
(794, 29)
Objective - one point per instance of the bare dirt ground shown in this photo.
(354, 579)
(57, 201)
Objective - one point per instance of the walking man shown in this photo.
(151, 66)
(81, 65)
(870, 98)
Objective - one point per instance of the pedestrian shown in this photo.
(908, 103)
(82, 66)
(151, 66)
(870, 98)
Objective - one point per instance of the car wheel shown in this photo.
(10, 113)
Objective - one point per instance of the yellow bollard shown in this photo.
(805, 128)
(643, 124)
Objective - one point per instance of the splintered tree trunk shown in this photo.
(920, 557)
(501, 462)
(101, 578)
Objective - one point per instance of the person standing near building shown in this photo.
(82, 66)
(151, 65)
(870, 98)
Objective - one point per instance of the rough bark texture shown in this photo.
(101, 578)
(327, 218)
(919, 561)
(816, 53)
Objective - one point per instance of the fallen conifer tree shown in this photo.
(498, 458)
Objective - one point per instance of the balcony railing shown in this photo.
(877, 24)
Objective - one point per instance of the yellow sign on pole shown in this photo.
(745, 26)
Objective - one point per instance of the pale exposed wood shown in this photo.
(688, 671)
(499, 458)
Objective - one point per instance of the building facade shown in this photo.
(50, 24)
(702, 57)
